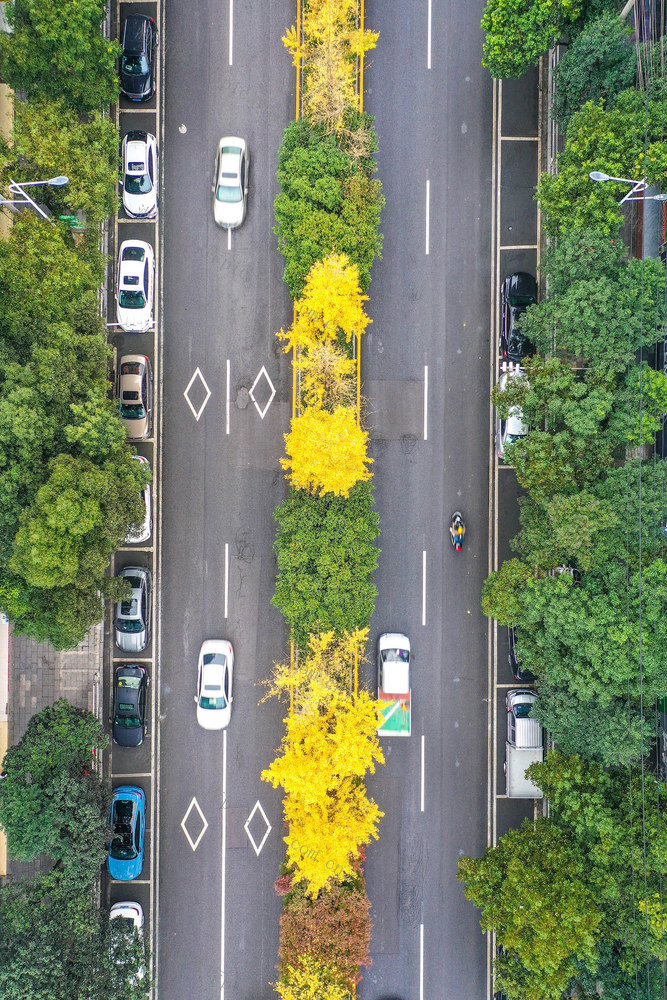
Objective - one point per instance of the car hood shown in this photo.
(131, 642)
(134, 84)
(140, 204)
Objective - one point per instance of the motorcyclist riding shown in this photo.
(457, 530)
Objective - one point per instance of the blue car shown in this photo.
(127, 820)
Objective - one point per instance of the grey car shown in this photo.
(132, 620)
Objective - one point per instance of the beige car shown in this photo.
(135, 395)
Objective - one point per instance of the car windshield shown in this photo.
(129, 624)
(208, 702)
(518, 344)
(131, 300)
(521, 300)
(522, 711)
(133, 683)
(137, 183)
(122, 848)
(132, 412)
(219, 658)
(228, 193)
(395, 656)
(134, 64)
(126, 721)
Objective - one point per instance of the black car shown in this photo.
(518, 292)
(137, 71)
(519, 673)
(129, 705)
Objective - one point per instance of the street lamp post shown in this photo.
(15, 188)
(638, 187)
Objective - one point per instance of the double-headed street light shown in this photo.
(15, 188)
(638, 187)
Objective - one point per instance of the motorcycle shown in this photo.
(457, 530)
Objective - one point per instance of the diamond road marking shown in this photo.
(197, 413)
(194, 805)
(262, 373)
(246, 825)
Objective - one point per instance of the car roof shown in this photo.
(133, 33)
(213, 675)
(136, 152)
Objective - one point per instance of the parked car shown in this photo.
(126, 921)
(519, 291)
(134, 292)
(519, 673)
(139, 155)
(132, 621)
(524, 745)
(135, 395)
(511, 428)
(214, 684)
(127, 823)
(137, 61)
(230, 182)
(143, 533)
(130, 684)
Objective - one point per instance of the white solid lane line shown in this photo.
(421, 962)
(423, 755)
(222, 865)
(226, 578)
(229, 239)
(425, 402)
(424, 587)
(227, 402)
(428, 199)
(428, 42)
(231, 28)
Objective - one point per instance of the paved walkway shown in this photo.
(38, 676)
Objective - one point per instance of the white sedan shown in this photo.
(132, 912)
(139, 153)
(144, 531)
(134, 294)
(214, 684)
(230, 182)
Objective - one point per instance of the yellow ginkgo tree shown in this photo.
(331, 306)
(326, 452)
(321, 671)
(329, 47)
(326, 754)
(311, 980)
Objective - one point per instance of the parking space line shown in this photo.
(519, 138)
(140, 774)
(518, 246)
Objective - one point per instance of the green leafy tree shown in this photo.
(599, 64)
(519, 32)
(80, 515)
(609, 140)
(57, 48)
(579, 530)
(602, 320)
(583, 253)
(51, 800)
(612, 735)
(51, 138)
(601, 638)
(503, 592)
(42, 281)
(532, 891)
(327, 203)
(62, 615)
(326, 557)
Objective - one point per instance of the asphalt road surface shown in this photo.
(428, 363)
